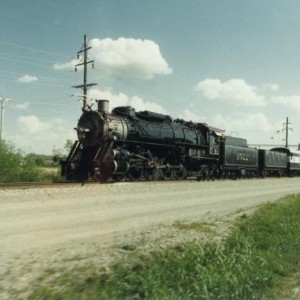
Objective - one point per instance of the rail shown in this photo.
(31, 185)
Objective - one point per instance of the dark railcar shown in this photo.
(238, 159)
(293, 160)
(272, 163)
(294, 164)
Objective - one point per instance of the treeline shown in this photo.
(15, 166)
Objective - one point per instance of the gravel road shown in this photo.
(40, 228)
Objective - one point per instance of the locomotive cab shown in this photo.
(213, 136)
(214, 143)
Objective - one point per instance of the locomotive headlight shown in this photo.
(81, 132)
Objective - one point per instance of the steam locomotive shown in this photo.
(126, 144)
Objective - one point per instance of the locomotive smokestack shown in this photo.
(103, 106)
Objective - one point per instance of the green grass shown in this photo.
(196, 226)
(18, 167)
(254, 262)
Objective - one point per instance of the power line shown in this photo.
(33, 49)
(42, 82)
(28, 62)
(27, 57)
(44, 103)
(10, 73)
(46, 80)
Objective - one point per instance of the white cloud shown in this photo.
(234, 91)
(257, 121)
(114, 100)
(257, 128)
(122, 99)
(140, 104)
(27, 78)
(125, 57)
(38, 136)
(290, 101)
(22, 106)
(191, 114)
(32, 125)
(271, 86)
(69, 66)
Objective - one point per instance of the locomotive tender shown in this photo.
(147, 145)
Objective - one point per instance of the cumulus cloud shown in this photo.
(27, 78)
(234, 91)
(139, 104)
(132, 58)
(190, 113)
(256, 128)
(122, 99)
(271, 86)
(39, 136)
(125, 57)
(252, 122)
(31, 124)
(290, 101)
(22, 106)
(69, 66)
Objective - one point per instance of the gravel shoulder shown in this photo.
(69, 227)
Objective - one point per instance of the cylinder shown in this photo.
(103, 106)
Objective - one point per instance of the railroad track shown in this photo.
(30, 185)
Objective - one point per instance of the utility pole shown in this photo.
(85, 62)
(2, 100)
(286, 125)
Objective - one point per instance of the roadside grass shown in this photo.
(196, 226)
(255, 261)
(18, 167)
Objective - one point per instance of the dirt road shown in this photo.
(44, 227)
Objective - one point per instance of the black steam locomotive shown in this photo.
(147, 145)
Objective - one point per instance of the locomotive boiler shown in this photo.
(126, 143)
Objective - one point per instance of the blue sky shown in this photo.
(233, 64)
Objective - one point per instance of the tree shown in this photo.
(16, 167)
(68, 145)
(10, 163)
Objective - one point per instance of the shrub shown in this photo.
(17, 167)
